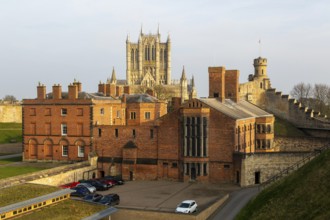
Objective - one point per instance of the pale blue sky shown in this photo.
(55, 41)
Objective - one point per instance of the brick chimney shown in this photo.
(119, 90)
(217, 83)
(41, 91)
(57, 91)
(78, 84)
(123, 98)
(73, 91)
(176, 103)
(102, 88)
(127, 89)
(232, 85)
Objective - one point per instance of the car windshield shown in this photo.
(184, 205)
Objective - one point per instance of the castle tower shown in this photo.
(260, 67)
(148, 62)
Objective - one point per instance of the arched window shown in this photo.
(161, 54)
(132, 56)
(153, 53)
(146, 53)
(136, 55)
(261, 85)
(262, 72)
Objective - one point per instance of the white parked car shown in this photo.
(91, 188)
(187, 206)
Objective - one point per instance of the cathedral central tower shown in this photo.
(148, 62)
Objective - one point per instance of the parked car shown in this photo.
(95, 197)
(70, 185)
(97, 184)
(91, 188)
(80, 191)
(109, 184)
(187, 206)
(110, 199)
(108, 181)
(117, 179)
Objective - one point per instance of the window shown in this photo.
(174, 165)
(64, 111)
(118, 113)
(133, 115)
(65, 150)
(64, 129)
(80, 112)
(32, 111)
(147, 115)
(100, 132)
(116, 132)
(102, 111)
(151, 133)
(133, 132)
(48, 112)
(81, 151)
(226, 166)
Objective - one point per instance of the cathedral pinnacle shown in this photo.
(192, 82)
(113, 76)
(183, 76)
(127, 39)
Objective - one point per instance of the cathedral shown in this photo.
(148, 69)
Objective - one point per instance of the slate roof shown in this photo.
(142, 98)
(240, 110)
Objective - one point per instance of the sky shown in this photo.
(57, 41)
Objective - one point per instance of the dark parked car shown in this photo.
(95, 197)
(80, 191)
(108, 181)
(118, 179)
(97, 184)
(110, 199)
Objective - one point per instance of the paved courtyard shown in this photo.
(166, 195)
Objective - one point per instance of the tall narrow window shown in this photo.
(118, 113)
(65, 150)
(100, 132)
(133, 133)
(102, 111)
(116, 132)
(151, 133)
(64, 129)
(146, 53)
(81, 151)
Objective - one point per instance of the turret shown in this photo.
(183, 86)
(260, 67)
(193, 92)
(113, 77)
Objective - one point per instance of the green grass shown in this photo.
(23, 192)
(10, 160)
(284, 128)
(304, 194)
(66, 210)
(10, 132)
(9, 171)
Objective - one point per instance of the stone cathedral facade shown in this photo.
(148, 65)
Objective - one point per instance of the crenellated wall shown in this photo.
(293, 111)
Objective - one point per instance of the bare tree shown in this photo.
(320, 95)
(162, 93)
(302, 92)
(10, 98)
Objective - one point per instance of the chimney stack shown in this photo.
(217, 83)
(41, 91)
(232, 84)
(73, 91)
(57, 91)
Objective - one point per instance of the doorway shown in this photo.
(193, 173)
(237, 177)
(131, 175)
(257, 177)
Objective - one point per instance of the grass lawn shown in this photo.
(23, 192)
(10, 160)
(9, 132)
(66, 210)
(302, 195)
(9, 171)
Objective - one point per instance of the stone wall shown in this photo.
(291, 110)
(268, 164)
(55, 176)
(10, 113)
(14, 148)
(301, 144)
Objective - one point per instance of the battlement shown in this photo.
(290, 109)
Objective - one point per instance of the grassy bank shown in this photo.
(284, 128)
(10, 132)
(302, 195)
(9, 171)
(10, 160)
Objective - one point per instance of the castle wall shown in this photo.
(10, 113)
(299, 144)
(289, 109)
(268, 164)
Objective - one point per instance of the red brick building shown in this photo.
(201, 140)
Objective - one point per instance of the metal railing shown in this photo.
(295, 166)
